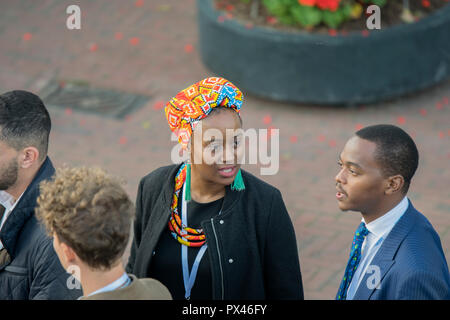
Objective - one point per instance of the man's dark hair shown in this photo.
(396, 151)
(24, 121)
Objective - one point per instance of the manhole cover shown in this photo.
(82, 97)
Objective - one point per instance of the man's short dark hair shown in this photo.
(24, 121)
(396, 151)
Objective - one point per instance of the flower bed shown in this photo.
(321, 16)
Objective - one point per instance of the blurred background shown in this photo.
(130, 57)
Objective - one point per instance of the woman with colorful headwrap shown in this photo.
(205, 228)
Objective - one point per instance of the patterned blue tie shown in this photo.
(353, 261)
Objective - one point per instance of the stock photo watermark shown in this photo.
(73, 21)
(374, 20)
(373, 281)
(263, 147)
(73, 282)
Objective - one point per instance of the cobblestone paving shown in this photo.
(150, 48)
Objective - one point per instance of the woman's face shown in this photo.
(216, 147)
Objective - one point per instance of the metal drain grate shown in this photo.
(82, 97)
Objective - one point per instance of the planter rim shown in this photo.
(436, 18)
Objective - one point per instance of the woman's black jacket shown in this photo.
(252, 245)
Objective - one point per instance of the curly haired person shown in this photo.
(89, 214)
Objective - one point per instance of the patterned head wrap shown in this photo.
(189, 106)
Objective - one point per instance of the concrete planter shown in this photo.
(323, 69)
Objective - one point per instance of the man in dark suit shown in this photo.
(395, 253)
(29, 267)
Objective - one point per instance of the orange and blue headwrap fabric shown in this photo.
(189, 106)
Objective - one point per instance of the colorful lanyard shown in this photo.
(189, 279)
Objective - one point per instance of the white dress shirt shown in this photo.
(378, 231)
(9, 203)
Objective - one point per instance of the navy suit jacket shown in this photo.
(410, 264)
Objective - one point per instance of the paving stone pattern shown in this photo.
(150, 48)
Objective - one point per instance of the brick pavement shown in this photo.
(150, 47)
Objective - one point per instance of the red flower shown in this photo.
(331, 5)
(322, 4)
(309, 3)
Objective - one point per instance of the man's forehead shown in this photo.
(359, 151)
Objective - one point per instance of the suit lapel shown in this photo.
(373, 278)
(385, 257)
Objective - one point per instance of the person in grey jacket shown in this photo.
(208, 229)
(29, 266)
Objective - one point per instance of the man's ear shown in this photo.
(28, 157)
(71, 261)
(69, 255)
(394, 184)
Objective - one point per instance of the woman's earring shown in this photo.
(188, 182)
(238, 183)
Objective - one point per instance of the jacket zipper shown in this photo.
(220, 259)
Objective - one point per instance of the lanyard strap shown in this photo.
(189, 280)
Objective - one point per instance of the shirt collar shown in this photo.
(113, 286)
(7, 200)
(386, 222)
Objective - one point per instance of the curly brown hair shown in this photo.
(89, 211)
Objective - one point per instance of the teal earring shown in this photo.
(238, 183)
(187, 196)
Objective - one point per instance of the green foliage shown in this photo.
(292, 12)
(306, 16)
(278, 8)
(333, 18)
